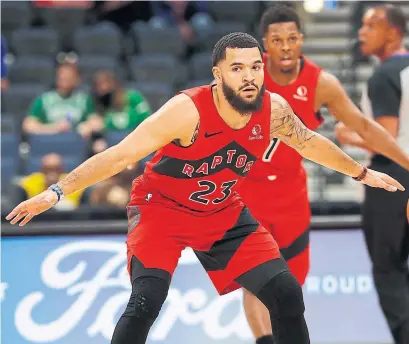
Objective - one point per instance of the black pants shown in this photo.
(387, 238)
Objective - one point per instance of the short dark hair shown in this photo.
(233, 40)
(395, 16)
(279, 13)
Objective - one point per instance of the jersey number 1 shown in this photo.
(210, 188)
(272, 147)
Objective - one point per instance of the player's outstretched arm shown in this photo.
(287, 127)
(368, 133)
(177, 119)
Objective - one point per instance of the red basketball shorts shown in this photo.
(285, 213)
(228, 243)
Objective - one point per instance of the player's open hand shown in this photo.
(36, 205)
(381, 180)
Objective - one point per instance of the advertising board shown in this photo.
(72, 289)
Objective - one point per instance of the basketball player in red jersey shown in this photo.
(207, 140)
(275, 190)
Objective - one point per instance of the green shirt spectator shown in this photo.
(135, 110)
(51, 107)
(63, 109)
(120, 108)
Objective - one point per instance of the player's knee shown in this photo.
(147, 297)
(282, 296)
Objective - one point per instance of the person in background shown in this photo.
(4, 81)
(114, 192)
(63, 109)
(384, 218)
(120, 108)
(187, 16)
(122, 13)
(51, 172)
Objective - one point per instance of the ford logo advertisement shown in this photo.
(73, 289)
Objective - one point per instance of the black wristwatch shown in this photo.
(58, 191)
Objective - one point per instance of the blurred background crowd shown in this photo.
(78, 76)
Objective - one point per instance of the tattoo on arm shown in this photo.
(95, 169)
(71, 178)
(286, 126)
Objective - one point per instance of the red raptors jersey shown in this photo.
(279, 159)
(204, 176)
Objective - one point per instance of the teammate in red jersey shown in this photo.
(207, 140)
(275, 190)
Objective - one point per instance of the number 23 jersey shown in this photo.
(204, 176)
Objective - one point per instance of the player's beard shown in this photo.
(241, 105)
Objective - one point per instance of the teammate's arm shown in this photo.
(177, 119)
(287, 127)
(373, 135)
(350, 137)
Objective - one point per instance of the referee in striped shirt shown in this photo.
(385, 222)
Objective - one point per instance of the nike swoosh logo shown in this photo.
(206, 135)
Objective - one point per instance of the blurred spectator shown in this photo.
(121, 108)
(118, 108)
(123, 13)
(63, 109)
(51, 172)
(4, 81)
(114, 192)
(181, 14)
